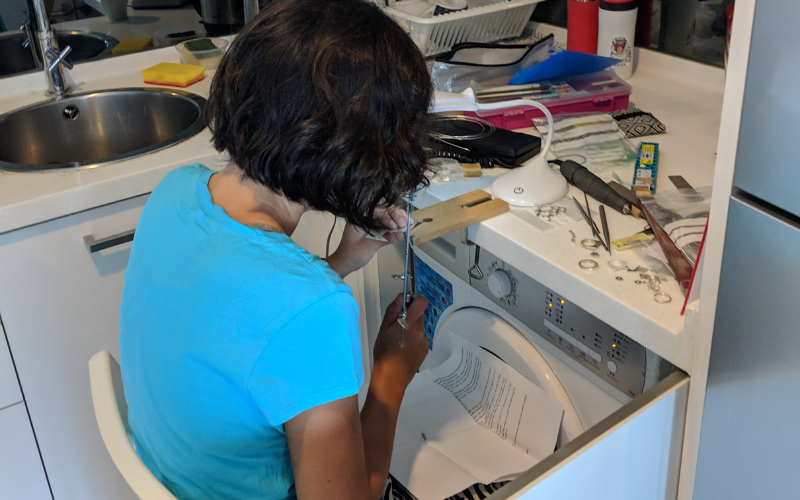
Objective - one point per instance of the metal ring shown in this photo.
(662, 298)
(588, 264)
(617, 265)
(590, 244)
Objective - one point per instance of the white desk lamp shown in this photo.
(532, 184)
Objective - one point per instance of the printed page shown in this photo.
(500, 399)
(427, 473)
(443, 423)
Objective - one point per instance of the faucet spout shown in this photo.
(250, 10)
(52, 57)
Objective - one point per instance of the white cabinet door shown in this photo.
(60, 305)
(634, 454)
(9, 386)
(21, 473)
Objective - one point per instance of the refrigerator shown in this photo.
(750, 434)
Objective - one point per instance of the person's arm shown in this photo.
(336, 454)
(355, 249)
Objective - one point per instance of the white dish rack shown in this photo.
(496, 21)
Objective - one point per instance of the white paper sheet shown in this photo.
(499, 398)
(440, 449)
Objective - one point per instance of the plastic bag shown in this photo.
(485, 65)
(593, 140)
(682, 214)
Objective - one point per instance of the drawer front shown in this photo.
(634, 454)
(21, 473)
(60, 305)
(9, 386)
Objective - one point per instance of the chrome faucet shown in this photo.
(42, 37)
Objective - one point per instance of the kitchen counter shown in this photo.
(144, 22)
(686, 96)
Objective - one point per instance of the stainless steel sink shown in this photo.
(86, 46)
(96, 128)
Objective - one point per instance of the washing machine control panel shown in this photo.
(594, 344)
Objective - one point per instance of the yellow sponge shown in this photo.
(176, 75)
(132, 44)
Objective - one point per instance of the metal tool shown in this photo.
(592, 225)
(577, 175)
(604, 223)
(408, 286)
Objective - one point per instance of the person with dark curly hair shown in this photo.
(240, 351)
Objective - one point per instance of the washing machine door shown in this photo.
(491, 332)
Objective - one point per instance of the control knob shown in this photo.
(500, 284)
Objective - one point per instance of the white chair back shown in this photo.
(111, 411)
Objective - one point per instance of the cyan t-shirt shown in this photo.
(227, 332)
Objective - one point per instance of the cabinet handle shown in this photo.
(118, 239)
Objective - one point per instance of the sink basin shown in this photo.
(18, 58)
(95, 128)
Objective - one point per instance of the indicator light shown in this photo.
(550, 304)
(613, 345)
(562, 301)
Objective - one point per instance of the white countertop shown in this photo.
(144, 22)
(686, 96)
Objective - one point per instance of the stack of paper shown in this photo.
(472, 419)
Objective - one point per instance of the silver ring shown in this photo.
(588, 264)
(617, 265)
(590, 244)
(662, 298)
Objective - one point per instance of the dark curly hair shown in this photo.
(325, 102)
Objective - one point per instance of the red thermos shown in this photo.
(582, 25)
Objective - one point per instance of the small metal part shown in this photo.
(588, 264)
(398, 276)
(618, 278)
(590, 243)
(655, 283)
(662, 298)
(475, 271)
(594, 254)
(572, 234)
(617, 265)
(401, 318)
(638, 282)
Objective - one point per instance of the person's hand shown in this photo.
(395, 366)
(355, 250)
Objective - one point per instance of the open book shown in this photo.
(473, 419)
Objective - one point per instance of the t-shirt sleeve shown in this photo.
(315, 358)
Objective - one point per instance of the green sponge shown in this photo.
(199, 45)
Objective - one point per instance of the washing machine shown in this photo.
(623, 405)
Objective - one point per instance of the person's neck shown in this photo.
(251, 203)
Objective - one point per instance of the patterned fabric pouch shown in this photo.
(637, 123)
(396, 491)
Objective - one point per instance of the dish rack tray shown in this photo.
(437, 34)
